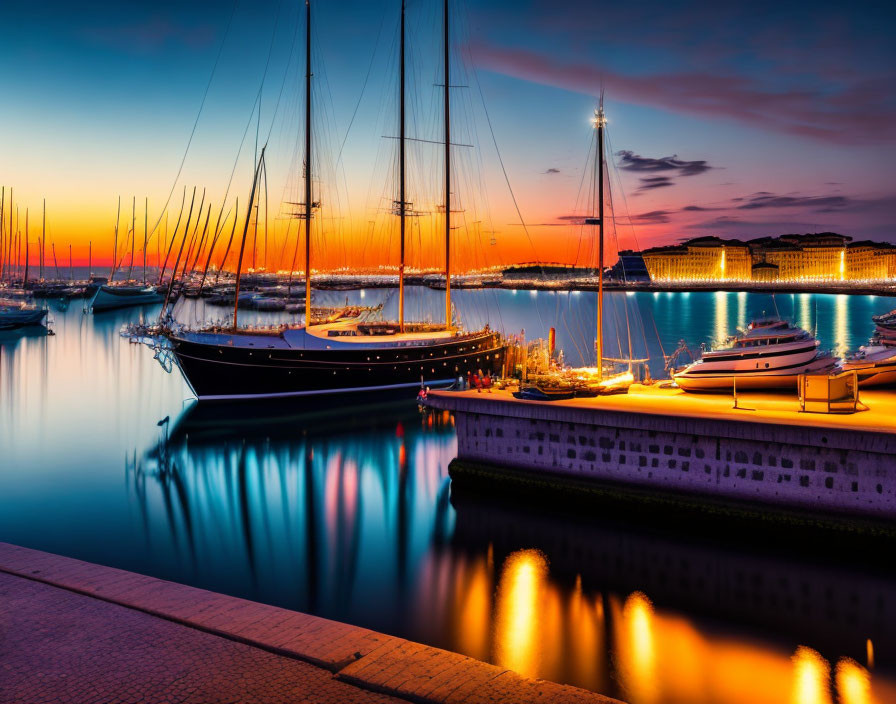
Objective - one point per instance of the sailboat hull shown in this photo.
(114, 297)
(13, 319)
(221, 372)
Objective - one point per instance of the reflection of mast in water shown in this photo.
(342, 513)
(168, 477)
(312, 569)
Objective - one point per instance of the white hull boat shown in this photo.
(771, 354)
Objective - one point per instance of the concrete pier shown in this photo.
(78, 632)
(764, 452)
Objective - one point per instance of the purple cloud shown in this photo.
(859, 113)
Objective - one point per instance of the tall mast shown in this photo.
(25, 280)
(599, 121)
(2, 230)
(89, 260)
(133, 235)
(239, 265)
(145, 235)
(447, 170)
(43, 239)
(71, 268)
(308, 202)
(401, 173)
(114, 244)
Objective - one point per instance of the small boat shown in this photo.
(18, 314)
(770, 354)
(534, 393)
(875, 365)
(110, 297)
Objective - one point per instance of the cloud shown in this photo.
(630, 161)
(820, 204)
(857, 112)
(730, 224)
(652, 182)
(552, 170)
(654, 217)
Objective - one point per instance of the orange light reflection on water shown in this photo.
(542, 630)
(519, 610)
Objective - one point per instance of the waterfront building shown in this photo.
(825, 256)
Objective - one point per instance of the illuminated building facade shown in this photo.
(824, 256)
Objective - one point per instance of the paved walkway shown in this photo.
(71, 631)
(58, 646)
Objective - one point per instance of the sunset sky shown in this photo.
(737, 119)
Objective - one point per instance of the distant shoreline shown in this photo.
(853, 290)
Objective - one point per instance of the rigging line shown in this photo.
(585, 170)
(491, 130)
(364, 87)
(292, 50)
(624, 197)
(265, 74)
(198, 115)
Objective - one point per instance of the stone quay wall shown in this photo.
(842, 470)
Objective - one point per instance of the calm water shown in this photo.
(346, 511)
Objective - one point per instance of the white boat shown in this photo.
(110, 297)
(771, 354)
(875, 365)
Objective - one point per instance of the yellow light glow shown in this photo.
(518, 611)
(637, 650)
(853, 683)
(811, 674)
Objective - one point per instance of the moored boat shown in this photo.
(874, 365)
(18, 314)
(345, 355)
(111, 297)
(347, 351)
(770, 354)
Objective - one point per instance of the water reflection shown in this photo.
(346, 511)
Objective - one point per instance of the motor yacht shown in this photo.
(770, 354)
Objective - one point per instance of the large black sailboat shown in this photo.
(347, 351)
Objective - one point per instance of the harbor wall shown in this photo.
(821, 469)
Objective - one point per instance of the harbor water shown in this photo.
(343, 508)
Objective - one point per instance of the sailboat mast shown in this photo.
(447, 169)
(2, 231)
(239, 264)
(114, 243)
(133, 235)
(599, 121)
(25, 280)
(71, 268)
(89, 260)
(43, 239)
(401, 172)
(145, 235)
(308, 203)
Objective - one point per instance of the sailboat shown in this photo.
(343, 352)
(15, 314)
(605, 377)
(112, 296)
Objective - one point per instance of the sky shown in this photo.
(734, 119)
